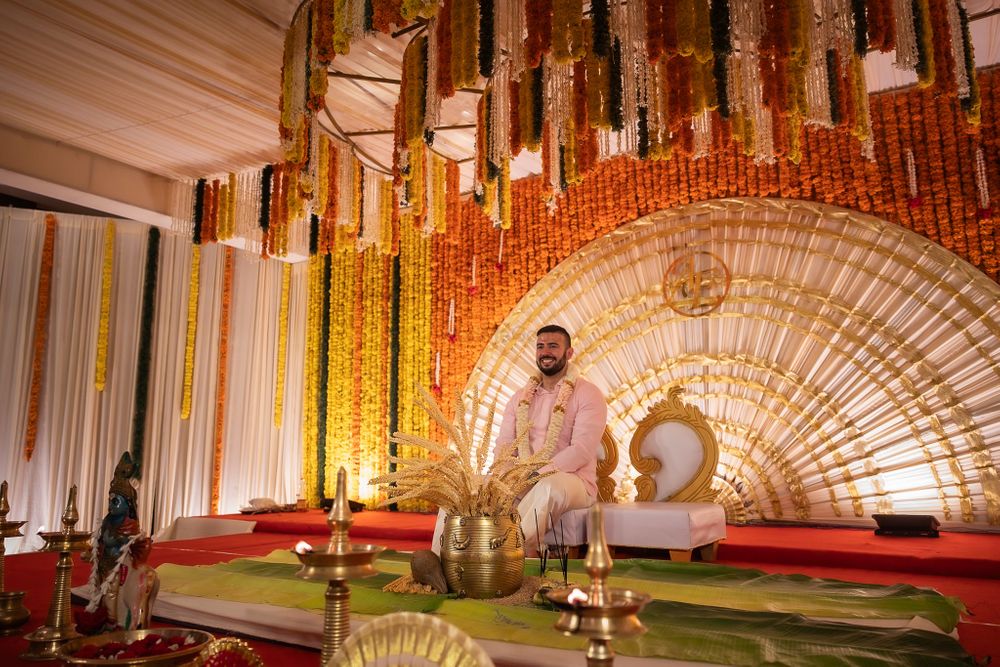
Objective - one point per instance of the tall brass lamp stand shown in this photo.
(13, 613)
(335, 563)
(59, 627)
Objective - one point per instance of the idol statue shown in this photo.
(122, 586)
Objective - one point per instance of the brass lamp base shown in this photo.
(13, 613)
(46, 640)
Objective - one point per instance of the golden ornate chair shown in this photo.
(409, 639)
(676, 453)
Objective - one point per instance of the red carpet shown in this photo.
(966, 565)
(398, 525)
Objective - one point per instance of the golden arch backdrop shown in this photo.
(852, 368)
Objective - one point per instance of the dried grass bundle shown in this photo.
(457, 480)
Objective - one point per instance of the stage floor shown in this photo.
(966, 565)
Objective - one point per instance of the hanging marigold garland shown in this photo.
(414, 353)
(145, 348)
(221, 376)
(279, 377)
(373, 368)
(621, 189)
(41, 334)
(340, 374)
(192, 329)
(104, 324)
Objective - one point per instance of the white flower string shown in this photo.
(499, 149)
(702, 126)
(500, 252)
(345, 183)
(371, 219)
(906, 36)
(451, 320)
(982, 185)
(513, 34)
(957, 49)
(432, 96)
(97, 592)
(911, 179)
(558, 410)
(817, 82)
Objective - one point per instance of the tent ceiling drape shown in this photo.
(191, 88)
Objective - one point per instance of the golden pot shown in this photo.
(482, 556)
(13, 613)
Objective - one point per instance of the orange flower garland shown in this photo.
(621, 190)
(41, 334)
(221, 374)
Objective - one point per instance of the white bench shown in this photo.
(676, 453)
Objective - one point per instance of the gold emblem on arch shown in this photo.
(696, 283)
(672, 409)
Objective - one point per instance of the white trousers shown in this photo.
(548, 500)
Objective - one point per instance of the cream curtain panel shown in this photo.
(82, 432)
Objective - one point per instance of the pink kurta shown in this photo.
(580, 437)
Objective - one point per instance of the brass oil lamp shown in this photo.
(13, 613)
(336, 562)
(600, 614)
(59, 627)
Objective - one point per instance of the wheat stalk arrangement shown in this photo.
(456, 478)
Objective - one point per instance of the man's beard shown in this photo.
(556, 367)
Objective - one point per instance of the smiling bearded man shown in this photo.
(561, 409)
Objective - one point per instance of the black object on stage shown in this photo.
(327, 503)
(907, 525)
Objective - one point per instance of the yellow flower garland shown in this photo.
(414, 347)
(506, 209)
(385, 217)
(340, 376)
(372, 460)
(439, 218)
(192, 329)
(279, 381)
(310, 422)
(103, 326)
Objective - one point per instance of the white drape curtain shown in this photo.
(82, 432)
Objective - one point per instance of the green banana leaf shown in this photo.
(705, 612)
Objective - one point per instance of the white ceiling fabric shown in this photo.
(190, 88)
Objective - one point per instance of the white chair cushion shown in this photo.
(570, 530)
(193, 527)
(663, 525)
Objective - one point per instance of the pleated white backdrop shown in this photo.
(853, 368)
(82, 432)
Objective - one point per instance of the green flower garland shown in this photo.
(145, 348)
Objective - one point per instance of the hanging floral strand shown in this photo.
(194, 285)
(221, 371)
(41, 334)
(279, 380)
(104, 324)
(984, 210)
(145, 348)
